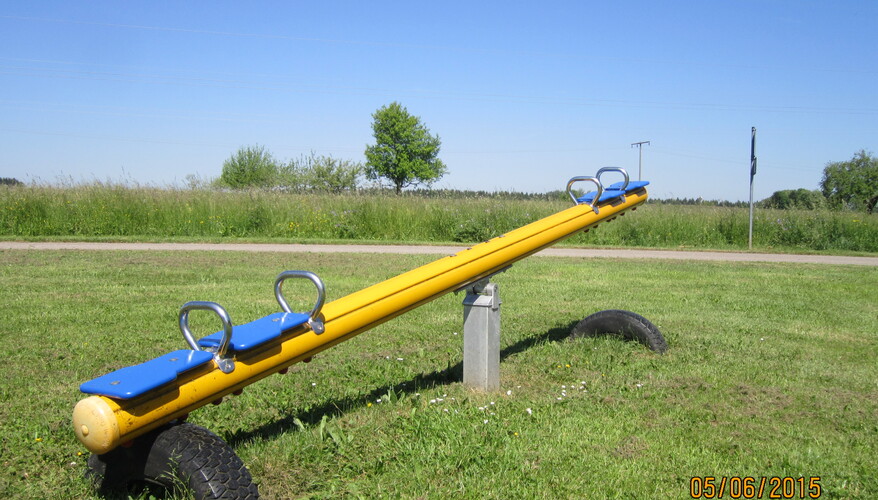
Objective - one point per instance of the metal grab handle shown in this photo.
(224, 364)
(614, 169)
(315, 321)
(594, 203)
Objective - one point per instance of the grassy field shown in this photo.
(770, 372)
(123, 213)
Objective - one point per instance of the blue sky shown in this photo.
(524, 95)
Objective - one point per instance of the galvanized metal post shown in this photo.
(752, 175)
(481, 336)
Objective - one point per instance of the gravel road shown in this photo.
(445, 250)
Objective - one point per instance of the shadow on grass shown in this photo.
(338, 407)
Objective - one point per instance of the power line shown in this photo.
(131, 113)
(148, 140)
(270, 36)
(158, 79)
(773, 166)
(477, 50)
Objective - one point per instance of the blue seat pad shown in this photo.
(632, 185)
(606, 195)
(132, 381)
(255, 333)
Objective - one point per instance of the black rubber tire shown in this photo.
(180, 456)
(626, 323)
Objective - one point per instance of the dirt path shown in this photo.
(444, 250)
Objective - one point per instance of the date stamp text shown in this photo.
(754, 487)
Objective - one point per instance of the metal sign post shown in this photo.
(752, 175)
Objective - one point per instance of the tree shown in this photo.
(404, 152)
(250, 166)
(853, 183)
(795, 198)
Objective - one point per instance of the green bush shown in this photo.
(325, 174)
(795, 198)
(250, 166)
(254, 167)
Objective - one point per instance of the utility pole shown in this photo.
(752, 174)
(640, 162)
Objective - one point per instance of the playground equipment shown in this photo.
(131, 421)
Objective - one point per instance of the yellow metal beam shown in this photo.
(102, 423)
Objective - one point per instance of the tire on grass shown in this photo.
(626, 323)
(176, 457)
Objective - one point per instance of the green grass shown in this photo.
(770, 372)
(106, 211)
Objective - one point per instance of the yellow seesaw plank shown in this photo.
(102, 423)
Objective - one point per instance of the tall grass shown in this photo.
(120, 211)
(676, 226)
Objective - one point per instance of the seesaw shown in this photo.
(133, 420)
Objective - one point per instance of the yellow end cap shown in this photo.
(95, 425)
